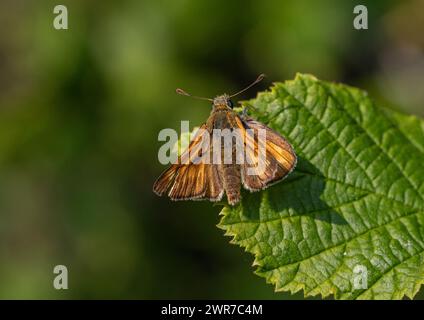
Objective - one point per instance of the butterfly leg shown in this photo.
(248, 105)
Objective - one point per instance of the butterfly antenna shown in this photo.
(183, 93)
(258, 79)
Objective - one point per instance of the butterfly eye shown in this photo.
(230, 103)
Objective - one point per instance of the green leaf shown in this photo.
(351, 215)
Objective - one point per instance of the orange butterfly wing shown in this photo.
(191, 179)
(280, 158)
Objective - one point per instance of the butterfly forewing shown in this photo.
(277, 155)
(192, 178)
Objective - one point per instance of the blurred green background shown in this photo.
(80, 112)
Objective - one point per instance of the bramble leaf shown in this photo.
(349, 221)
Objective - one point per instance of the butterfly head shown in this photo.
(222, 102)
